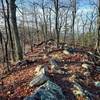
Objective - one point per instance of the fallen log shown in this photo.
(25, 63)
(43, 42)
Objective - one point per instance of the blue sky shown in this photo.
(83, 5)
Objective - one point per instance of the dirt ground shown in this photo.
(16, 84)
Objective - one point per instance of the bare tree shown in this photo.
(91, 19)
(66, 23)
(6, 40)
(98, 28)
(96, 4)
(30, 34)
(2, 45)
(23, 25)
(84, 22)
(56, 5)
(36, 22)
(73, 3)
(10, 33)
(44, 18)
(50, 23)
(15, 28)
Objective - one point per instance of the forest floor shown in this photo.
(16, 84)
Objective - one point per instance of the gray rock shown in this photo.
(41, 69)
(97, 83)
(41, 76)
(38, 80)
(66, 52)
(86, 66)
(87, 74)
(61, 72)
(55, 64)
(47, 91)
(98, 68)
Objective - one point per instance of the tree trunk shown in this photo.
(83, 42)
(2, 46)
(10, 35)
(6, 41)
(15, 29)
(45, 23)
(98, 29)
(65, 29)
(56, 21)
(73, 34)
(50, 23)
(73, 21)
(36, 23)
(30, 35)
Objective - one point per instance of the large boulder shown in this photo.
(41, 76)
(38, 80)
(47, 91)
